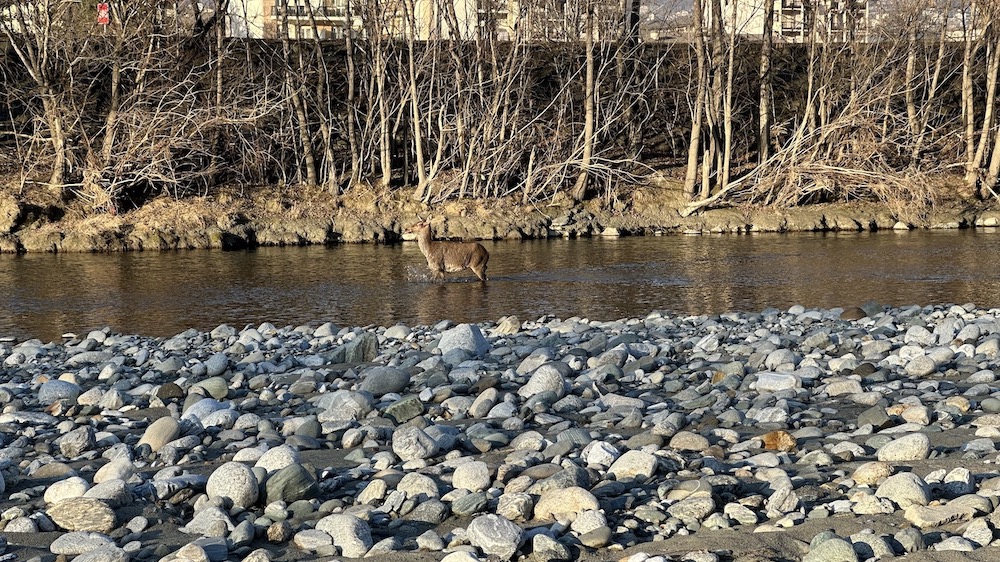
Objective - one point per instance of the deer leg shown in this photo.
(480, 272)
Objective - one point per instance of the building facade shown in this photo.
(795, 21)
(328, 19)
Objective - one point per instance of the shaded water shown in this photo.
(164, 293)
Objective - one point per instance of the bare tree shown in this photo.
(765, 76)
(580, 189)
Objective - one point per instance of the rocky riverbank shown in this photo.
(273, 217)
(816, 435)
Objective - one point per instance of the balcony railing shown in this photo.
(305, 11)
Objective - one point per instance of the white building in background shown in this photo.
(328, 18)
(796, 20)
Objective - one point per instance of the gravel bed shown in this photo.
(801, 434)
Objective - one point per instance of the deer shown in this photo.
(450, 256)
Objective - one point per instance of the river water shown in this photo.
(164, 293)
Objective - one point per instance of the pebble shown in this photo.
(542, 437)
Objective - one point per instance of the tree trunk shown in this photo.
(292, 83)
(352, 102)
(53, 116)
(694, 145)
(418, 144)
(580, 191)
(712, 164)
(932, 93)
(764, 106)
(971, 47)
(727, 118)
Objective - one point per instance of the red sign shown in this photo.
(103, 13)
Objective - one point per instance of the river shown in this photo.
(163, 293)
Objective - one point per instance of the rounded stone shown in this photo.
(383, 380)
(72, 487)
(872, 472)
(160, 432)
(277, 458)
(55, 390)
(495, 536)
(916, 446)
(291, 484)
(351, 534)
(565, 503)
(546, 378)
(905, 489)
(473, 476)
(633, 464)
(234, 481)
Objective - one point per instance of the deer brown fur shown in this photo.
(445, 256)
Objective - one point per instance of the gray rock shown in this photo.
(71, 487)
(910, 539)
(160, 432)
(383, 380)
(688, 441)
(905, 489)
(469, 504)
(597, 538)
(833, 549)
(397, 332)
(79, 542)
(114, 492)
(776, 382)
(412, 443)
(550, 377)
(495, 536)
(105, 554)
(916, 446)
(516, 506)
(202, 408)
(362, 349)
(692, 510)
(206, 520)
(405, 409)
(216, 364)
(565, 503)
(352, 535)
(216, 387)
(290, 484)
(960, 544)
(430, 541)
(278, 458)
(234, 481)
(465, 337)
(418, 486)
(55, 390)
(473, 476)
(633, 464)
(546, 549)
(312, 540)
(77, 442)
(921, 366)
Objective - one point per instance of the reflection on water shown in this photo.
(162, 294)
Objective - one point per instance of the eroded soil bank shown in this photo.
(276, 217)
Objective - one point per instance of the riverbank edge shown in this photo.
(302, 217)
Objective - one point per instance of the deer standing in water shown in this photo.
(450, 256)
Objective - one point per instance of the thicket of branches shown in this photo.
(163, 102)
